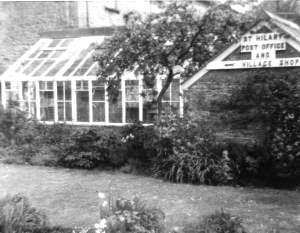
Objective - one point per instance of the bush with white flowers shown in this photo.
(122, 215)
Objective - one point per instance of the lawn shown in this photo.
(69, 197)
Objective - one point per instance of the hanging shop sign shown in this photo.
(263, 48)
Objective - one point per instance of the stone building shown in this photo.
(272, 44)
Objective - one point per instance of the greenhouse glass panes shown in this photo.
(115, 110)
(149, 112)
(53, 71)
(57, 53)
(132, 112)
(43, 68)
(132, 90)
(25, 91)
(54, 43)
(82, 101)
(79, 59)
(132, 100)
(11, 93)
(98, 111)
(44, 54)
(55, 81)
(93, 71)
(8, 85)
(47, 105)
(66, 42)
(84, 68)
(32, 66)
(98, 90)
(60, 90)
(46, 101)
(171, 99)
(64, 103)
(98, 101)
(41, 44)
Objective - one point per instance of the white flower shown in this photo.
(103, 223)
(168, 43)
(105, 203)
(97, 225)
(124, 140)
(122, 219)
(101, 195)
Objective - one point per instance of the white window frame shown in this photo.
(64, 101)
(99, 101)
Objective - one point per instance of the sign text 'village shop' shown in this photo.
(263, 48)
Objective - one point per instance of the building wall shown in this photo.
(216, 87)
(21, 22)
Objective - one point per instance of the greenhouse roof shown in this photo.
(64, 55)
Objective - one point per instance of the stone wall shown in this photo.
(214, 87)
(21, 22)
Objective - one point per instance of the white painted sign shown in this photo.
(263, 47)
(259, 63)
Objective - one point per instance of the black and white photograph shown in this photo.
(150, 116)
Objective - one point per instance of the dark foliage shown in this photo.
(139, 143)
(248, 163)
(219, 222)
(91, 147)
(187, 152)
(55, 229)
(272, 99)
(12, 120)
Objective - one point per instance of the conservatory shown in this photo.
(55, 81)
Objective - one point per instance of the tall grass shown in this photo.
(17, 215)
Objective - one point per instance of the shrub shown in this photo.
(219, 222)
(272, 99)
(17, 215)
(187, 152)
(139, 143)
(12, 120)
(91, 147)
(37, 133)
(55, 229)
(247, 162)
(284, 144)
(124, 215)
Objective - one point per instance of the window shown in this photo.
(11, 93)
(132, 100)
(64, 101)
(46, 101)
(171, 98)
(81, 56)
(149, 107)
(47, 55)
(98, 101)
(84, 67)
(115, 109)
(28, 98)
(82, 100)
(93, 70)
